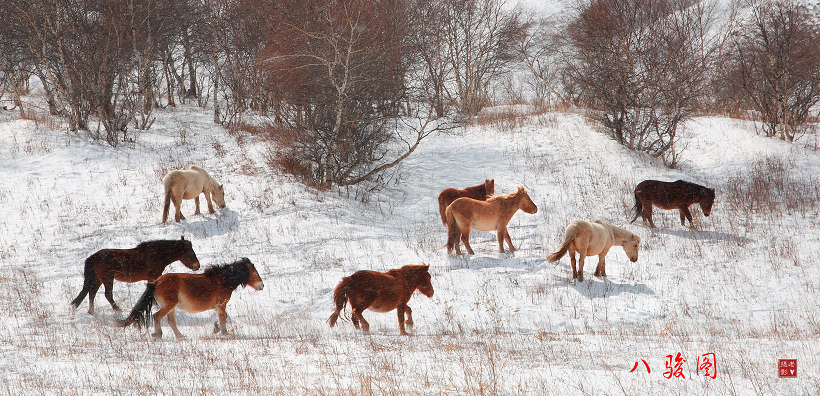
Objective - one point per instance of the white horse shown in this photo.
(590, 239)
(188, 184)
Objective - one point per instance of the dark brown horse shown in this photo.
(144, 262)
(193, 293)
(671, 195)
(381, 292)
(480, 192)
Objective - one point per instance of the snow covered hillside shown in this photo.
(744, 286)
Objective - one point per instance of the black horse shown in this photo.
(147, 261)
(671, 195)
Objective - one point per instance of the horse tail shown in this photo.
(453, 232)
(88, 281)
(141, 313)
(638, 207)
(167, 204)
(339, 299)
(569, 237)
(442, 205)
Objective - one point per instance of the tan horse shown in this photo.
(465, 214)
(590, 239)
(480, 192)
(188, 184)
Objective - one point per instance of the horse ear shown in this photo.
(426, 267)
(182, 238)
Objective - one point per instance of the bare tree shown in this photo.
(339, 71)
(481, 41)
(775, 66)
(642, 66)
(429, 41)
(540, 49)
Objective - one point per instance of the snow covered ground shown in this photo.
(744, 286)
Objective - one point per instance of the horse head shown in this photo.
(218, 195)
(422, 280)
(707, 199)
(489, 187)
(188, 257)
(525, 203)
(254, 280)
(631, 247)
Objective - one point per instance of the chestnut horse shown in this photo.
(188, 184)
(480, 192)
(590, 239)
(671, 195)
(494, 214)
(144, 262)
(381, 292)
(193, 293)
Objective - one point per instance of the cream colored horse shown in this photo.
(494, 214)
(188, 184)
(590, 239)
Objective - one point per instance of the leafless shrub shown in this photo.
(771, 188)
(641, 66)
(773, 67)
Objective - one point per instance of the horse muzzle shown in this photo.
(633, 259)
(259, 286)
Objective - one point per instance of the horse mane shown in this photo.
(506, 200)
(408, 272)
(701, 190)
(233, 275)
(162, 244)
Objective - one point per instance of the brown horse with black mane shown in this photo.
(381, 292)
(671, 195)
(494, 214)
(193, 293)
(480, 192)
(147, 261)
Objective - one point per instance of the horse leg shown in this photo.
(509, 240)
(178, 205)
(500, 236)
(572, 260)
(223, 318)
(600, 270)
(92, 293)
(465, 237)
(108, 283)
(158, 319)
(172, 320)
(357, 313)
(685, 214)
(400, 313)
(409, 313)
(581, 266)
(210, 204)
(196, 202)
(647, 213)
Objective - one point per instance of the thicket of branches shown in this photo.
(352, 86)
(773, 67)
(643, 67)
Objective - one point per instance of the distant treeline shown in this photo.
(352, 86)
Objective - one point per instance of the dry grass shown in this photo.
(771, 188)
